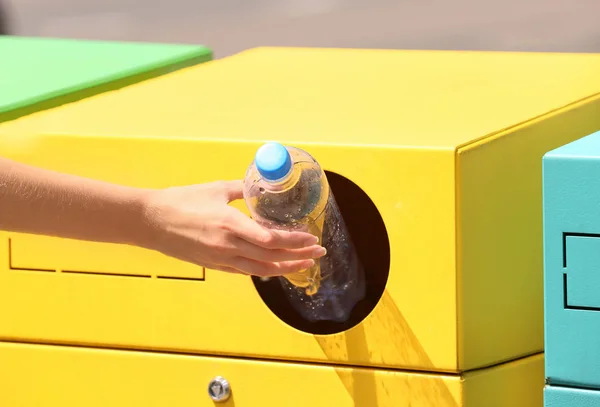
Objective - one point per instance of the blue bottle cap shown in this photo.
(273, 161)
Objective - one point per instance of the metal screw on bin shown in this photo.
(219, 389)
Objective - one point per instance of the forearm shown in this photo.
(39, 201)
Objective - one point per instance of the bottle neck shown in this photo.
(284, 184)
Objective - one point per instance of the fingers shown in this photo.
(226, 269)
(252, 251)
(280, 239)
(242, 265)
(269, 269)
(252, 232)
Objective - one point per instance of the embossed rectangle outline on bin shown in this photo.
(98, 273)
(565, 236)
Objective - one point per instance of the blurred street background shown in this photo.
(229, 26)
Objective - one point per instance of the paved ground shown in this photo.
(229, 26)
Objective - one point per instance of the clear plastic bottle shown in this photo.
(285, 188)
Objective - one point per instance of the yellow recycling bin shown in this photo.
(435, 160)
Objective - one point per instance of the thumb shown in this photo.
(234, 190)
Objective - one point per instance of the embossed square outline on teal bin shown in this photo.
(571, 187)
(569, 397)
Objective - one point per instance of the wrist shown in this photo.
(137, 227)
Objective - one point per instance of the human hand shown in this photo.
(196, 224)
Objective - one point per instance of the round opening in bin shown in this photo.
(368, 232)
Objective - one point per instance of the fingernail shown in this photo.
(312, 240)
(321, 251)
